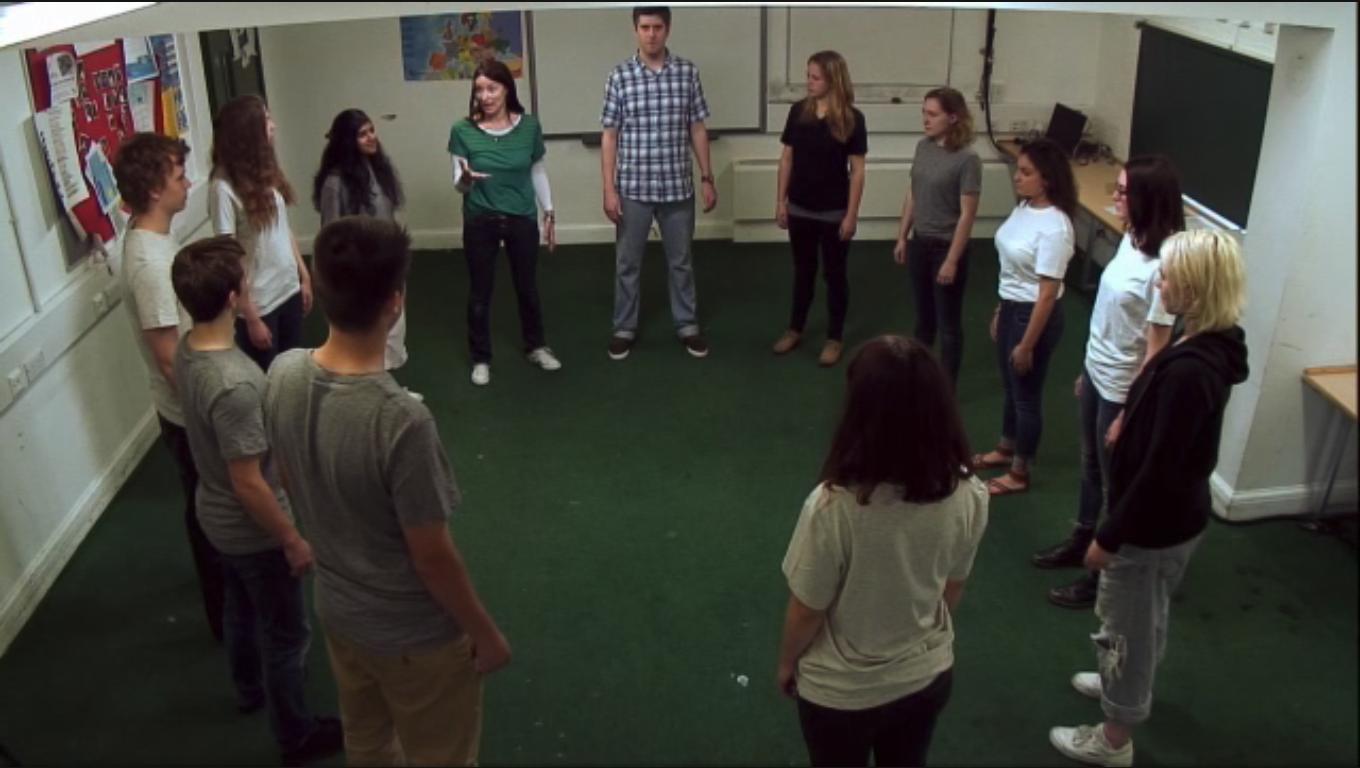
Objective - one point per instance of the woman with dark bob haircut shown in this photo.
(878, 562)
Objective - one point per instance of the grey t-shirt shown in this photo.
(223, 396)
(939, 178)
(363, 462)
(335, 201)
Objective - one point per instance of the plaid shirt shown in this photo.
(652, 112)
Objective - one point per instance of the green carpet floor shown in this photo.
(625, 524)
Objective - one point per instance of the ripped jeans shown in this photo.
(1134, 605)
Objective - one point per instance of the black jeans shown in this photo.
(285, 325)
(207, 562)
(897, 733)
(1022, 417)
(939, 308)
(482, 237)
(807, 236)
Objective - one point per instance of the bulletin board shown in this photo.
(89, 98)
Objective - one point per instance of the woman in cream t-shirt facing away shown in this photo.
(248, 198)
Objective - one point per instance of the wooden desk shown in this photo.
(1338, 386)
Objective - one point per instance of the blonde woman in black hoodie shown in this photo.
(1159, 499)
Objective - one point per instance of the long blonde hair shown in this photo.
(1207, 271)
(840, 95)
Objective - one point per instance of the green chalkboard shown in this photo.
(1205, 108)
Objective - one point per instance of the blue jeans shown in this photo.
(1134, 607)
(1096, 414)
(1022, 417)
(482, 238)
(267, 639)
(676, 221)
(939, 308)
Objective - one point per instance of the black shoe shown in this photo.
(1080, 594)
(328, 739)
(1069, 554)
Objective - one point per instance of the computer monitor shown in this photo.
(1065, 128)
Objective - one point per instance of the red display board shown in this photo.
(102, 114)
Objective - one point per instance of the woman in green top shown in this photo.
(498, 166)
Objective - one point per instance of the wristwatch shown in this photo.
(706, 179)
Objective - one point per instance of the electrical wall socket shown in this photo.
(1019, 126)
(35, 364)
(18, 381)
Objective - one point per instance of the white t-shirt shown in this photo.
(271, 263)
(1033, 243)
(1127, 301)
(879, 571)
(151, 303)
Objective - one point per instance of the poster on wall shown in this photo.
(176, 114)
(450, 46)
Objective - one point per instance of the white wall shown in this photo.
(68, 440)
(361, 65)
(1301, 253)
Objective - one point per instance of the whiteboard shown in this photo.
(575, 50)
(919, 52)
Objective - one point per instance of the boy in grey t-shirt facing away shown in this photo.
(408, 637)
(241, 507)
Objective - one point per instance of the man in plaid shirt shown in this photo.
(654, 110)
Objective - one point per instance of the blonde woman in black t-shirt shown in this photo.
(821, 182)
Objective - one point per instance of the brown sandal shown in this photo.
(996, 486)
(980, 460)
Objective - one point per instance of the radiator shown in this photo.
(755, 180)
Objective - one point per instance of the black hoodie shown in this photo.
(1173, 418)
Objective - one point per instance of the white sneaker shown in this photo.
(543, 358)
(1087, 744)
(1087, 684)
(419, 398)
(481, 374)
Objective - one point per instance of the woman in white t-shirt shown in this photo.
(878, 563)
(248, 198)
(1035, 245)
(1129, 326)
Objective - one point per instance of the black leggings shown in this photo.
(285, 325)
(897, 733)
(807, 236)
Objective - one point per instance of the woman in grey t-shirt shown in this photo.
(937, 222)
(356, 178)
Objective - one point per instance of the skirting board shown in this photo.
(45, 569)
(1267, 503)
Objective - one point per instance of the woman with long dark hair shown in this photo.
(1035, 245)
(878, 563)
(1129, 326)
(498, 166)
(937, 222)
(248, 198)
(821, 183)
(356, 178)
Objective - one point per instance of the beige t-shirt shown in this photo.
(151, 303)
(879, 571)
